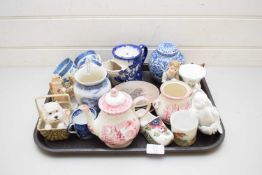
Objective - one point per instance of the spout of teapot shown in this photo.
(90, 118)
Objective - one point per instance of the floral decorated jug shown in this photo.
(161, 57)
(117, 124)
(132, 58)
(91, 84)
(175, 96)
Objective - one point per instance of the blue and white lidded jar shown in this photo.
(161, 57)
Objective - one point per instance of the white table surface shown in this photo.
(237, 94)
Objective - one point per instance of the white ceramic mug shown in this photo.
(184, 127)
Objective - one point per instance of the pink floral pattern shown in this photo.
(121, 133)
(174, 108)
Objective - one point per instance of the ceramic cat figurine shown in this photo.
(207, 114)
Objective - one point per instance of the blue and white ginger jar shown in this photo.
(161, 57)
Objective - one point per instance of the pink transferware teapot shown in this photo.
(117, 124)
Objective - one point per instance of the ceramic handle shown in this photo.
(90, 59)
(69, 129)
(156, 104)
(138, 99)
(144, 52)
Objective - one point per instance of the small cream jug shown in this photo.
(117, 124)
(175, 96)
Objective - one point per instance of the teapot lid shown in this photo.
(115, 102)
(167, 49)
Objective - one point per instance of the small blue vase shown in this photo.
(161, 57)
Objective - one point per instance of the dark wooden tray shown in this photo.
(94, 145)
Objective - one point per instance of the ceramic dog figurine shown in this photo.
(53, 115)
(207, 114)
(172, 71)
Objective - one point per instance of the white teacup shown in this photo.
(184, 127)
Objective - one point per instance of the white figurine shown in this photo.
(172, 72)
(53, 115)
(207, 114)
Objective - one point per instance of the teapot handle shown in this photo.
(138, 99)
(144, 52)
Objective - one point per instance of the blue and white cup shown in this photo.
(78, 124)
(80, 60)
(65, 69)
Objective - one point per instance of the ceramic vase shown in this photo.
(161, 57)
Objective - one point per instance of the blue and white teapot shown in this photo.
(131, 58)
(161, 57)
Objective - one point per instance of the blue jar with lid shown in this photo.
(161, 57)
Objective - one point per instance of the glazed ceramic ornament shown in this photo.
(206, 113)
(58, 86)
(117, 124)
(192, 74)
(91, 84)
(172, 71)
(184, 126)
(154, 130)
(130, 58)
(161, 57)
(53, 115)
(175, 96)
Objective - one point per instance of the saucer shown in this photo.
(139, 88)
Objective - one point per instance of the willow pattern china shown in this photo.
(161, 57)
(91, 84)
(65, 69)
(78, 124)
(90, 54)
(117, 124)
(154, 130)
(132, 57)
(184, 126)
(175, 95)
(113, 69)
(192, 73)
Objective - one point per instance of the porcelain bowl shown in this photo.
(192, 73)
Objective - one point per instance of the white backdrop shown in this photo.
(218, 32)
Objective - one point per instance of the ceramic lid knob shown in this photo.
(115, 102)
(114, 92)
(114, 97)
